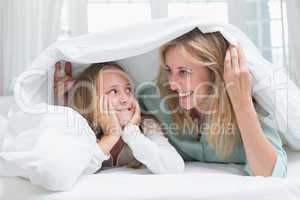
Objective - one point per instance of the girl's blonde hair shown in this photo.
(84, 100)
(209, 50)
(84, 94)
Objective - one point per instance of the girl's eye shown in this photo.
(128, 90)
(113, 91)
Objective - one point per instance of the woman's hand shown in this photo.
(62, 84)
(107, 118)
(237, 78)
(260, 152)
(136, 118)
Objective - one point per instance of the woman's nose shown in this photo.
(173, 83)
(173, 86)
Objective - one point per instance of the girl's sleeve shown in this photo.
(96, 162)
(269, 128)
(153, 150)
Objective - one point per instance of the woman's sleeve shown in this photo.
(153, 150)
(269, 129)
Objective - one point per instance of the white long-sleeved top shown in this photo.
(151, 149)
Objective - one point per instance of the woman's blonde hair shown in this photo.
(209, 50)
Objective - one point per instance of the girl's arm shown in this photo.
(101, 153)
(112, 132)
(153, 150)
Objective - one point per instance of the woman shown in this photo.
(103, 95)
(210, 86)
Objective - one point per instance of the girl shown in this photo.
(103, 95)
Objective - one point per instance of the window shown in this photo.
(267, 27)
(264, 21)
(207, 11)
(103, 14)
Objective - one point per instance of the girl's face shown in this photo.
(189, 80)
(114, 83)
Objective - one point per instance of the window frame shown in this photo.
(159, 9)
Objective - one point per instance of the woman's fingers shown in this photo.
(236, 75)
(63, 86)
(227, 66)
(57, 73)
(244, 71)
(68, 69)
(242, 57)
(234, 60)
(235, 63)
(68, 83)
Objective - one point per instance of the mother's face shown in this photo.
(191, 81)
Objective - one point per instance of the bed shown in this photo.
(200, 181)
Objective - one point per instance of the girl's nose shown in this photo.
(124, 98)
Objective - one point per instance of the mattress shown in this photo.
(200, 181)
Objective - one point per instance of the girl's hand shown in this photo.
(136, 118)
(237, 78)
(107, 118)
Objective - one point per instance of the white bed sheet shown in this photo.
(200, 181)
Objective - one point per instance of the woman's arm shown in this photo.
(268, 126)
(261, 154)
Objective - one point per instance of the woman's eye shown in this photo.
(183, 73)
(167, 70)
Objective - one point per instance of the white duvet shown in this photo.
(136, 48)
(40, 136)
(52, 149)
(200, 181)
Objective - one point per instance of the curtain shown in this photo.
(74, 18)
(1, 45)
(27, 28)
(293, 16)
